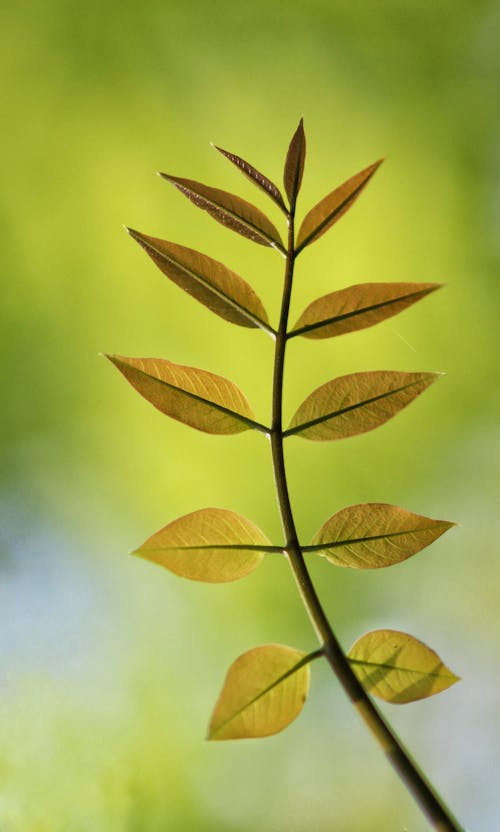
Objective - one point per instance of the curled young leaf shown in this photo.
(207, 280)
(358, 307)
(255, 176)
(356, 403)
(398, 668)
(212, 544)
(294, 164)
(264, 691)
(373, 535)
(230, 210)
(333, 206)
(203, 400)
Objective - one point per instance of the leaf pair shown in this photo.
(217, 545)
(266, 687)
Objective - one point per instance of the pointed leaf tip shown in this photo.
(205, 401)
(207, 280)
(375, 535)
(264, 691)
(212, 544)
(255, 176)
(294, 164)
(333, 206)
(356, 403)
(230, 210)
(398, 668)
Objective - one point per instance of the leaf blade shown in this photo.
(264, 691)
(230, 210)
(358, 307)
(207, 280)
(294, 164)
(255, 176)
(356, 403)
(333, 206)
(398, 668)
(212, 545)
(180, 392)
(375, 535)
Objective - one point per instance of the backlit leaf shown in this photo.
(207, 280)
(212, 544)
(255, 176)
(203, 400)
(333, 206)
(373, 535)
(356, 403)
(294, 164)
(263, 692)
(358, 307)
(230, 210)
(397, 667)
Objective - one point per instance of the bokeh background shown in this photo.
(110, 666)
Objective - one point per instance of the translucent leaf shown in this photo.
(207, 280)
(263, 692)
(212, 544)
(358, 307)
(204, 401)
(356, 403)
(294, 164)
(373, 535)
(398, 668)
(255, 176)
(333, 206)
(230, 210)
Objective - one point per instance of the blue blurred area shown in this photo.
(110, 667)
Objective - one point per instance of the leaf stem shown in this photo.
(430, 803)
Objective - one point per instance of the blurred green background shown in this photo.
(110, 666)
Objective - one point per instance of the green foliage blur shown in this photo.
(109, 666)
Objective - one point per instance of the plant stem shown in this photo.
(415, 781)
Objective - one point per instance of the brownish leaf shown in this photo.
(203, 400)
(255, 176)
(358, 307)
(230, 210)
(294, 164)
(373, 535)
(333, 206)
(207, 280)
(356, 403)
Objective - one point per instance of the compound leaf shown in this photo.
(212, 544)
(358, 307)
(333, 206)
(397, 667)
(255, 176)
(203, 400)
(373, 535)
(294, 164)
(207, 280)
(264, 691)
(356, 403)
(230, 210)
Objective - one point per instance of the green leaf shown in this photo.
(207, 280)
(358, 307)
(333, 206)
(356, 403)
(264, 691)
(212, 544)
(294, 164)
(256, 177)
(398, 668)
(373, 535)
(204, 401)
(230, 210)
